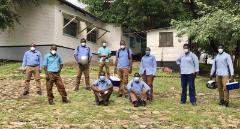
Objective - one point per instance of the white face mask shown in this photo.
(104, 44)
(83, 44)
(122, 46)
(32, 48)
(220, 51)
(186, 50)
(53, 52)
(136, 79)
(102, 78)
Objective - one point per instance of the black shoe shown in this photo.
(126, 96)
(39, 92)
(25, 93)
(135, 104)
(143, 103)
(120, 95)
(66, 101)
(221, 102)
(226, 104)
(194, 104)
(105, 103)
(183, 102)
(51, 102)
(88, 88)
(76, 89)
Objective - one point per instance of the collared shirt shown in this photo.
(102, 85)
(137, 87)
(123, 58)
(82, 51)
(188, 63)
(104, 52)
(222, 65)
(148, 64)
(52, 62)
(32, 58)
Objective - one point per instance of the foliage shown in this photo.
(8, 13)
(139, 15)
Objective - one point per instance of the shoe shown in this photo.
(76, 89)
(183, 102)
(143, 103)
(51, 102)
(194, 104)
(25, 93)
(226, 104)
(98, 102)
(120, 95)
(135, 104)
(221, 102)
(65, 100)
(39, 92)
(126, 96)
(105, 103)
(88, 88)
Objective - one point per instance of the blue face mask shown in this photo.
(147, 53)
(102, 78)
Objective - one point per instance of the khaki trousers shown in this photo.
(83, 69)
(123, 75)
(223, 92)
(35, 71)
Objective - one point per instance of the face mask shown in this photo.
(102, 78)
(186, 50)
(147, 53)
(136, 79)
(53, 52)
(220, 51)
(122, 46)
(104, 44)
(32, 48)
(83, 44)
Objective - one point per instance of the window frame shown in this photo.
(160, 44)
(77, 27)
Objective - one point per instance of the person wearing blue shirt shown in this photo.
(32, 65)
(83, 57)
(189, 68)
(138, 91)
(52, 66)
(123, 66)
(102, 89)
(222, 67)
(104, 54)
(148, 67)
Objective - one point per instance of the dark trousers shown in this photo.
(188, 79)
(103, 97)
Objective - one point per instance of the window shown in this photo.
(132, 42)
(166, 39)
(92, 37)
(71, 29)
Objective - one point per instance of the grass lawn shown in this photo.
(164, 112)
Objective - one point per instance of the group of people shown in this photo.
(139, 90)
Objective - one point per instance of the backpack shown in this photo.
(88, 51)
(128, 51)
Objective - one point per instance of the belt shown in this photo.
(32, 65)
(54, 72)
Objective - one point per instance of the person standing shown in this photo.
(104, 53)
(148, 67)
(222, 67)
(189, 67)
(53, 65)
(138, 91)
(32, 65)
(123, 66)
(102, 89)
(83, 66)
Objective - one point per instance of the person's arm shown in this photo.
(116, 63)
(109, 53)
(130, 61)
(110, 86)
(24, 62)
(146, 86)
(179, 60)
(61, 65)
(196, 63)
(141, 66)
(213, 69)
(40, 61)
(45, 62)
(76, 55)
(94, 88)
(90, 58)
(129, 86)
(154, 65)
(99, 53)
(230, 66)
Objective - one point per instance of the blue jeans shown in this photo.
(185, 80)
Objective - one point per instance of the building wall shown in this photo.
(166, 54)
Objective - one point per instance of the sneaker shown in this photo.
(221, 102)
(66, 101)
(135, 104)
(25, 93)
(76, 89)
(183, 102)
(105, 103)
(51, 102)
(143, 103)
(194, 104)
(120, 95)
(88, 88)
(39, 92)
(226, 104)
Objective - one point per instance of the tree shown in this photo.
(8, 13)
(139, 15)
(219, 24)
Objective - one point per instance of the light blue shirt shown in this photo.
(52, 62)
(188, 63)
(137, 87)
(148, 64)
(123, 58)
(32, 58)
(102, 85)
(104, 52)
(82, 51)
(222, 65)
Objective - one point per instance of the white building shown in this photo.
(166, 46)
(62, 23)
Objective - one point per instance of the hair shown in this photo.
(102, 73)
(221, 45)
(186, 45)
(83, 40)
(54, 46)
(148, 49)
(136, 75)
(122, 42)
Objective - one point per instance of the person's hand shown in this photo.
(40, 71)
(195, 74)
(232, 78)
(23, 71)
(211, 77)
(115, 70)
(47, 76)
